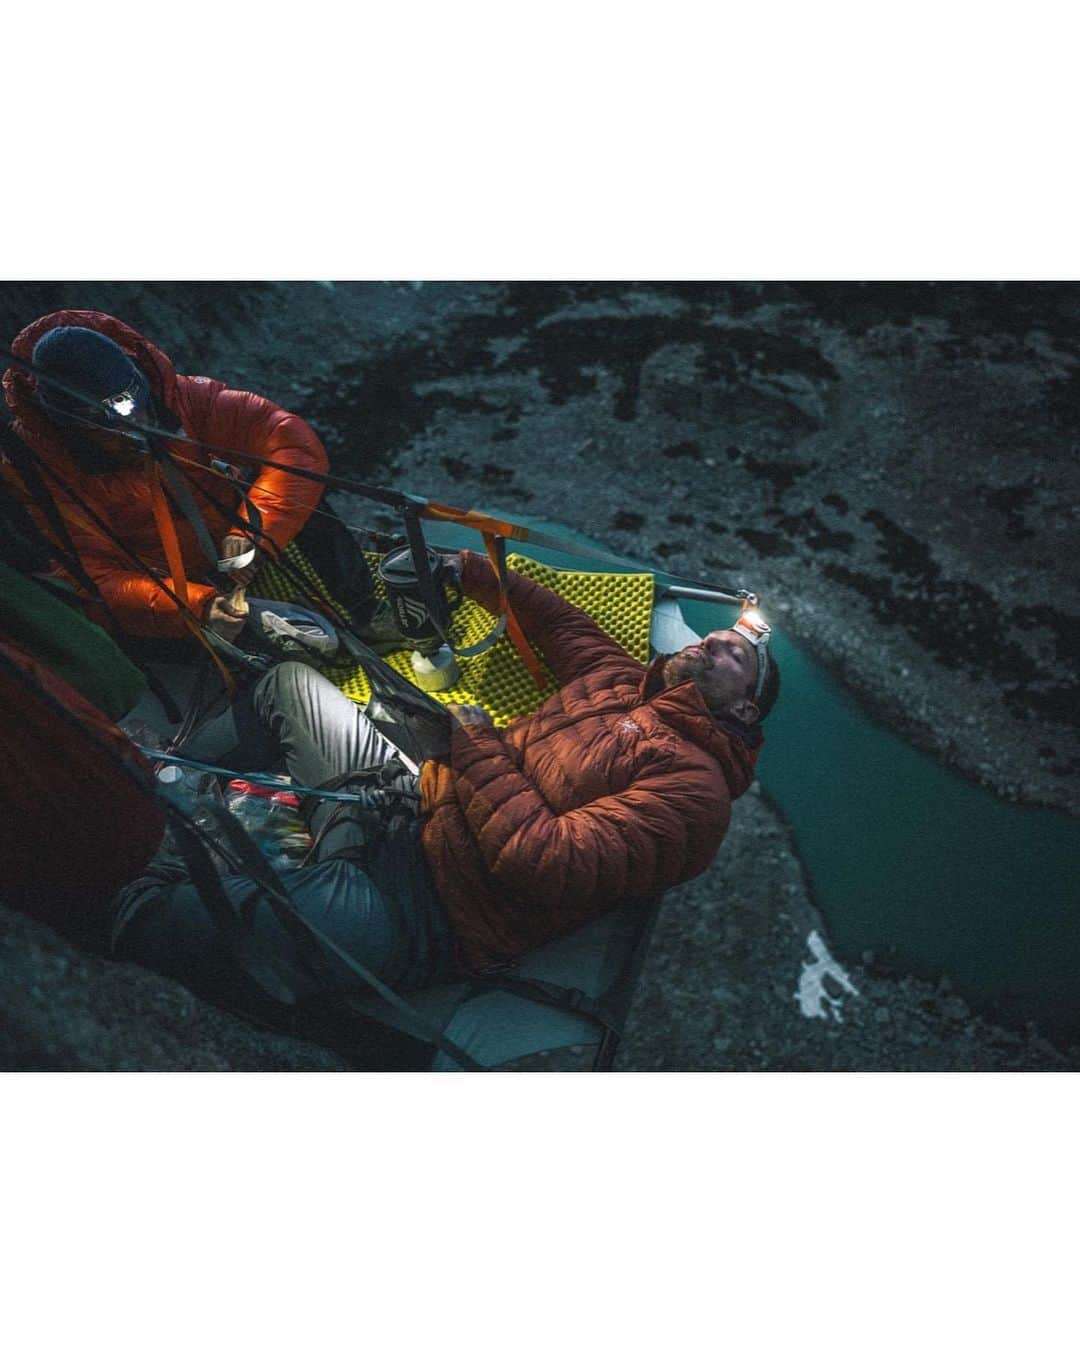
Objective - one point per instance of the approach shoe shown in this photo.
(382, 634)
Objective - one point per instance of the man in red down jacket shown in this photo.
(101, 469)
(617, 788)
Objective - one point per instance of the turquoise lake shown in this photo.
(906, 858)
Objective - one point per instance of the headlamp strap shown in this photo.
(757, 634)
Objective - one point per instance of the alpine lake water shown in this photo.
(933, 874)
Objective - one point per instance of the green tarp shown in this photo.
(34, 618)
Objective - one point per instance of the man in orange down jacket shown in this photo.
(120, 374)
(617, 788)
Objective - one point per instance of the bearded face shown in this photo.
(723, 665)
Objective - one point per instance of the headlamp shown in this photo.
(129, 401)
(756, 631)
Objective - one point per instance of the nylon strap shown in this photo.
(166, 529)
(433, 597)
(404, 501)
(551, 995)
(496, 551)
(204, 877)
(475, 520)
(79, 512)
(435, 602)
(181, 494)
(247, 513)
(310, 940)
(22, 460)
(269, 781)
(90, 520)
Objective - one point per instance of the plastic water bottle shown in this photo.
(196, 789)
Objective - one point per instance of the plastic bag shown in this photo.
(272, 819)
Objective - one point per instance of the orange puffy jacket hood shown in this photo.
(20, 387)
(614, 790)
(204, 410)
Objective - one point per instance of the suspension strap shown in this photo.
(313, 943)
(181, 494)
(550, 995)
(496, 551)
(432, 593)
(506, 621)
(89, 519)
(267, 780)
(391, 497)
(22, 461)
(166, 529)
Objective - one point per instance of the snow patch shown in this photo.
(813, 998)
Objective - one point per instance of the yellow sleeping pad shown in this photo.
(496, 680)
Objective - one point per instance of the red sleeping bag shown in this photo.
(77, 821)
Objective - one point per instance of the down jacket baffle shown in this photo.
(614, 790)
(206, 411)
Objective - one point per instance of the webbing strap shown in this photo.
(170, 542)
(268, 780)
(22, 460)
(435, 602)
(433, 597)
(181, 494)
(496, 551)
(247, 513)
(89, 519)
(551, 995)
(311, 941)
(475, 520)
(387, 496)
(166, 529)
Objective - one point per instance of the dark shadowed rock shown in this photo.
(63, 1009)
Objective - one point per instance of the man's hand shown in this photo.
(468, 714)
(453, 564)
(222, 619)
(231, 547)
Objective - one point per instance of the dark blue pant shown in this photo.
(368, 887)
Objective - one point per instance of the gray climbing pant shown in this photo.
(367, 886)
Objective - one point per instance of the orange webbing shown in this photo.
(474, 519)
(490, 528)
(166, 529)
(513, 628)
